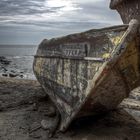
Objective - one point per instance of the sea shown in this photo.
(20, 58)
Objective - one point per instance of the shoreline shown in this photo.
(16, 67)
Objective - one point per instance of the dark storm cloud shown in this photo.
(24, 7)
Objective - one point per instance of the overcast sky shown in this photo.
(30, 21)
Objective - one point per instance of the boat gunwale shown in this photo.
(117, 28)
(112, 28)
(102, 30)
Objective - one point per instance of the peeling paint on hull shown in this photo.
(89, 72)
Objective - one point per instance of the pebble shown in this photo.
(46, 124)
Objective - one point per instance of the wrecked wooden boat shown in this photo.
(90, 72)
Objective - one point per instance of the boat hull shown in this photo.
(80, 75)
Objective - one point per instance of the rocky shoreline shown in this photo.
(24, 106)
(11, 73)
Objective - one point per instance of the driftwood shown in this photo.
(23, 105)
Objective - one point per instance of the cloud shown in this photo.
(35, 10)
(50, 18)
(95, 11)
(24, 7)
(56, 10)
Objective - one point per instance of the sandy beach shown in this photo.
(23, 105)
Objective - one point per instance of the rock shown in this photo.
(4, 69)
(13, 71)
(51, 124)
(21, 76)
(2, 58)
(46, 124)
(5, 74)
(4, 61)
(12, 75)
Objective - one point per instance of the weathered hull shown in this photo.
(90, 72)
(128, 9)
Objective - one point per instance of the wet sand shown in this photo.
(23, 105)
